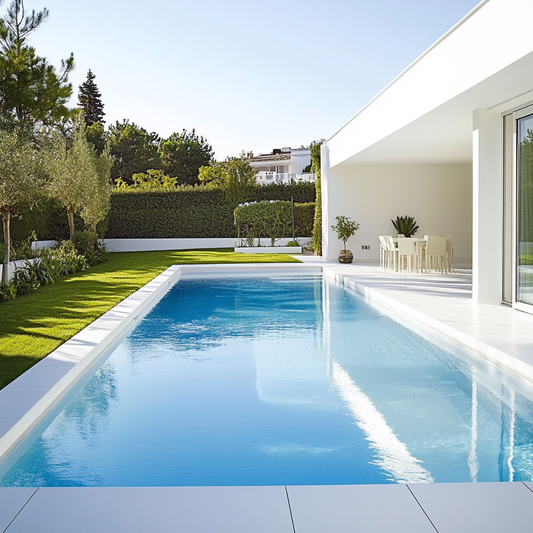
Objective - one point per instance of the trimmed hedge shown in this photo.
(192, 212)
(304, 215)
(180, 213)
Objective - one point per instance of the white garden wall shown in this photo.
(13, 266)
(141, 245)
(439, 197)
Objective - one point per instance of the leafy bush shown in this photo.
(263, 219)
(61, 260)
(8, 292)
(31, 274)
(24, 288)
(87, 244)
(84, 242)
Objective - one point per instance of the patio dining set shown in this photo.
(430, 253)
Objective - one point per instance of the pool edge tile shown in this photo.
(349, 508)
(488, 507)
(161, 509)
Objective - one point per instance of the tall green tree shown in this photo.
(315, 148)
(98, 199)
(97, 136)
(32, 93)
(19, 184)
(78, 177)
(183, 154)
(133, 149)
(234, 175)
(90, 100)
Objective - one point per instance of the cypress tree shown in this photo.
(89, 99)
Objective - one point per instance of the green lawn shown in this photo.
(32, 326)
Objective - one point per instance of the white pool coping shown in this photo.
(500, 334)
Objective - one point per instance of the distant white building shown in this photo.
(283, 165)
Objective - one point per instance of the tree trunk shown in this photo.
(70, 214)
(93, 229)
(6, 215)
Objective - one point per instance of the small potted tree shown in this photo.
(345, 228)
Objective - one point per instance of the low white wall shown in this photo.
(13, 265)
(438, 197)
(145, 245)
(38, 245)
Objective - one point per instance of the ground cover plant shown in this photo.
(34, 325)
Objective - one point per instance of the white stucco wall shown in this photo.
(299, 160)
(487, 231)
(439, 197)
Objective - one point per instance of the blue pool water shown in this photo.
(282, 380)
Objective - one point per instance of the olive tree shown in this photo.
(79, 177)
(97, 202)
(19, 183)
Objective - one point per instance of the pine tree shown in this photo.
(32, 93)
(89, 99)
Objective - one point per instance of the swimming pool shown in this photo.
(280, 380)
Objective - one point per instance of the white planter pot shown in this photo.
(269, 250)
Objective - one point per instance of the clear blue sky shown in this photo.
(246, 75)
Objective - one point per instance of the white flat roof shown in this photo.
(424, 116)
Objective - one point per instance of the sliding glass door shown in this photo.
(524, 207)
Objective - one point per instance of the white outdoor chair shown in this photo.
(436, 254)
(449, 253)
(382, 251)
(392, 252)
(408, 251)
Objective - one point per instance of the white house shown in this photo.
(447, 142)
(283, 165)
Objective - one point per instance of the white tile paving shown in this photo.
(12, 500)
(354, 508)
(477, 507)
(156, 509)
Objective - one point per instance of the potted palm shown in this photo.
(405, 226)
(345, 228)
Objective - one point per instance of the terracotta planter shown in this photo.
(345, 256)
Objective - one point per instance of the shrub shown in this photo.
(84, 242)
(8, 292)
(61, 260)
(24, 288)
(263, 219)
(33, 274)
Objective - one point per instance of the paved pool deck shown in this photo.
(441, 302)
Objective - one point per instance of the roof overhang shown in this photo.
(425, 115)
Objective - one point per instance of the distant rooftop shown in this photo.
(277, 154)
